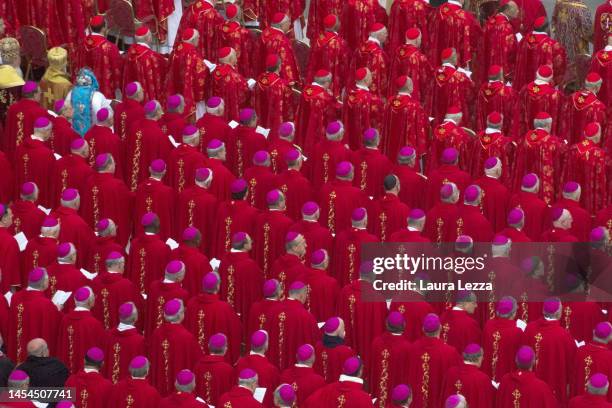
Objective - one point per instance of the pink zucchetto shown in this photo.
(95, 354)
(598, 380)
(286, 129)
(400, 392)
(333, 127)
(515, 216)
(158, 166)
(273, 197)
(70, 194)
(343, 169)
(185, 377)
(504, 306)
(529, 180)
(126, 310)
(449, 155)
(18, 375)
(172, 307)
(238, 186)
(431, 323)
(102, 114)
(247, 374)
(407, 152)
(525, 356)
(270, 287)
(318, 257)
(331, 325)
(446, 191)
(416, 214)
(190, 233)
(77, 144)
(131, 88)
(174, 267)
(297, 285)
(603, 330)
(551, 306)
(351, 366)
(82, 294)
(261, 157)
(359, 214)
(203, 174)
(49, 222)
(395, 319)
(28, 188)
(304, 352)
(259, 338)
(148, 219)
(173, 102)
(217, 341)
(138, 362)
(210, 281)
(63, 249)
(310, 208)
(214, 102)
(114, 256)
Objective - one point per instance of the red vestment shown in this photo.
(331, 53)
(535, 211)
(323, 293)
(212, 127)
(451, 26)
(25, 324)
(601, 28)
(317, 12)
(602, 64)
(292, 8)
(236, 36)
(271, 227)
(71, 171)
(346, 258)
(495, 201)
(153, 195)
(501, 340)
(317, 108)
(459, 329)
(207, 315)
(429, 360)
(407, 14)
(326, 155)
(196, 207)
(371, 168)
(227, 83)
(180, 399)
(529, 11)
(74, 229)
(213, 378)
(468, 380)
(538, 97)
(64, 277)
(148, 260)
(202, 16)
(275, 41)
(112, 290)
(304, 380)
(273, 101)
(492, 143)
(9, 262)
(444, 174)
(261, 180)
(451, 88)
(172, 124)
(534, 50)
(372, 55)
(39, 252)
(554, 354)
(160, 292)
(363, 109)
(161, 10)
(340, 393)
(72, 20)
(590, 359)
(260, 315)
(171, 348)
(523, 388)
(27, 218)
(579, 318)
(337, 201)
(267, 375)
(442, 223)
(387, 215)
(241, 282)
(495, 96)
(287, 268)
(137, 390)
(330, 357)
(589, 401)
(79, 330)
(297, 189)
(101, 247)
(581, 220)
(408, 235)
(128, 113)
(412, 184)
(183, 162)
(222, 179)
(357, 17)
(414, 308)
(145, 66)
(196, 266)
(450, 135)
(239, 397)
(91, 389)
(187, 75)
(63, 135)
(243, 143)
(388, 365)
(580, 109)
(33, 160)
(121, 346)
(405, 124)
(232, 217)
(315, 235)
(102, 56)
(474, 224)
(7, 184)
(498, 46)
(19, 123)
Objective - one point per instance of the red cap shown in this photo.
(542, 116)
(321, 73)
(231, 11)
(545, 71)
(453, 110)
(97, 21)
(272, 60)
(361, 73)
(413, 33)
(539, 22)
(142, 31)
(447, 53)
(277, 18)
(494, 118)
(591, 129)
(401, 81)
(224, 52)
(330, 21)
(188, 34)
(593, 77)
(494, 70)
(376, 27)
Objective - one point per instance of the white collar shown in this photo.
(448, 64)
(507, 18)
(470, 363)
(449, 120)
(360, 86)
(123, 327)
(458, 308)
(491, 81)
(540, 82)
(375, 40)
(608, 48)
(252, 353)
(64, 263)
(90, 370)
(80, 309)
(540, 32)
(550, 319)
(490, 131)
(166, 280)
(456, 3)
(316, 84)
(350, 379)
(144, 45)
(301, 365)
(32, 289)
(149, 233)
(404, 93)
(236, 250)
(37, 138)
(98, 34)
(397, 334)
(413, 229)
(277, 29)
(113, 272)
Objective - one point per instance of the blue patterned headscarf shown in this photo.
(82, 94)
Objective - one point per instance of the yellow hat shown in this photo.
(57, 56)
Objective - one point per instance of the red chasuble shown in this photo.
(405, 124)
(370, 54)
(346, 257)
(586, 164)
(581, 317)
(172, 124)
(451, 88)
(286, 269)
(112, 290)
(160, 9)
(357, 18)
(459, 329)
(74, 229)
(64, 277)
(159, 293)
(107, 197)
(363, 109)
(228, 84)
(498, 46)
(239, 397)
(406, 14)
(450, 134)
(331, 53)
(77, 333)
(317, 108)
(274, 41)
(232, 217)
(145, 66)
(71, 171)
(101, 247)
(103, 57)
(475, 224)
(261, 180)
(589, 401)
(25, 324)
(33, 160)
(19, 124)
(326, 155)
(271, 227)
(602, 64)
(297, 189)
(315, 235)
(323, 293)
(72, 18)
(7, 184)
(182, 400)
(345, 393)
(222, 179)
(148, 260)
(241, 282)
(535, 212)
(196, 266)
(235, 36)
(304, 380)
(154, 196)
(554, 353)
(213, 378)
(523, 388)
(338, 199)
(187, 75)
(212, 127)
(412, 184)
(127, 113)
(580, 109)
(267, 373)
(495, 96)
(491, 143)
(540, 97)
(371, 168)
(27, 218)
(442, 223)
(317, 13)
(171, 348)
(467, 379)
(388, 366)
(9, 262)
(63, 135)
(207, 315)
(451, 26)
(501, 340)
(136, 390)
(414, 308)
(581, 219)
(273, 101)
(196, 207)
(537, 49)
(495, 201)
(243, 142)
(91, 389)
(39, 252)
(202, 16)
(121, 346)
(102, 139)
(330, 358)
(590, 359)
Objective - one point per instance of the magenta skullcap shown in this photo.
(131, 88)
(189, 130)
(551, 306)
(597, 234)
(603, 330)
(370, 134)
(598, 380)
(259, 338)
(530, 180)
(292, 155)
(463, 241)
(359, 214)
(77, 144)
(65, 404)
(148, 219)
(29, 87)
(343, 169)
(304, 352)
(41, 122)
(158, 166)
(286, 394)
(173, 102)
(49, 222)
(114, 256)
(309, 208)
(246, 114)
(504, 306)
(453, 401)
(471, 193)
(102, 114)
(431, 323)
(491, 162)
(270, 287)
(172, 307)
(247, 374)
(351, 366)
(239, 237)
(210, 281)
(273, 196)
(174, 267)
(103, 224)
(571, 187)
(297, 285)
(395, 319)
(214, 102)
(190, 233)
(500, 240)
(63, 249)
(28, 188)
(95, 354)
(525, 355)
(150, 106)
(70, 194)
(400, 392)
(331, 325)
(407, 151)
(291, 236)
(126, 310)
(18, 375)
(333, 127)
(214, 144)
(446, 191)
(449, 155)
(286, 129)
(217, 341)
(416, 214)
(318, 257)
(82, 294)
(556, 213)
(58, 105)
(472, 348)
(238, 186)
(260, 157)
(185, 377)
(203, 174)
(515, 216)
(138, 362)
(102, 159)
(529, 264)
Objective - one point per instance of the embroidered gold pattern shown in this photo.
(425, 378)
(331, 214)
(19, 332)
(266, 249)
(136, 161)
(495, 357)
(143, 264)
(106, 309)
(230, 285)
(116, 361)
(190, 206)
(181, 175)
(281, 337)
(71, 348)
(201, 327)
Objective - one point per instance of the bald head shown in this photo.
(38, 348)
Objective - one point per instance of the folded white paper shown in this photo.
(259, 394)
(60, 297)
(388, 302)
(51, 113)
(320, 324)
(233, 124)
(174, 142)
(57, 156)
(495, 384)
(88, 274)
(521, 324)
(519, 36)
(466, 72)
(22, 241)
(8, 296)
(262, 131)
(172, 243)
(579, 343)
(211, 67)
(127, 247)
(45, 210)
(251, 83)
(604, 311)
(214, 263)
